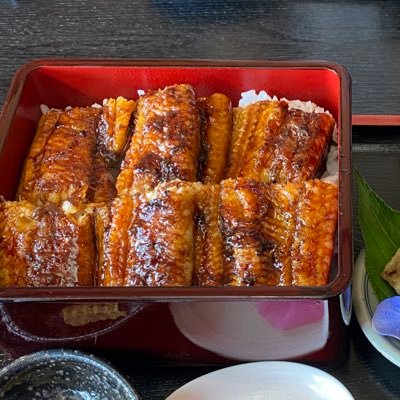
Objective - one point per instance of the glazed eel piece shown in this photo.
(274, 144)
(238, 233)
(216, 131)
(251, 233)
(146, 239)
(44, 246)
(64, 163)
(47, 236)
(209, 263)
(166, 140)
(115, 127)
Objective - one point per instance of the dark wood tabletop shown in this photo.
(364, 36)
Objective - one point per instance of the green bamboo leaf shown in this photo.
(380, 227)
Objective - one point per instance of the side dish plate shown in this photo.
(365, 303)
(267, 380)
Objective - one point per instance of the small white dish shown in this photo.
(268, 380)
(365, 303)
(239, 331)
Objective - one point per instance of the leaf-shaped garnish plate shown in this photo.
(380, 227)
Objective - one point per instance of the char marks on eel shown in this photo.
(171, 219)
(166, 141)
(274, 144)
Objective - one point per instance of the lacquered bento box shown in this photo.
(180, 324)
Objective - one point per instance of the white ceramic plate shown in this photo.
(365, 303)
(269, 380)
(239, 331)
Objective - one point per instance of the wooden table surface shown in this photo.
(364, 36)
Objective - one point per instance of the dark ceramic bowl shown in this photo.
(62, 375)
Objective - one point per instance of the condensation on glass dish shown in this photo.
(63, 379)
(51, 382)
(331, 173)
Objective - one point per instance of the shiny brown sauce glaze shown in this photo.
(64, 163)
(216, 132)
(166, 141)
(209, 265)
(300, 146)
(162, 232)
(277, 234)
(42, 246)
(114, 128)
(248, 256)
(273, 144)
(150, 240)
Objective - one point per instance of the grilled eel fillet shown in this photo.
(63, 163)
(216, 130)
(272, 234)
(209, 266)
(246, 233)
(273, 144)
(148, 238)
(165, 144)
(114, 127)
(43, 246)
